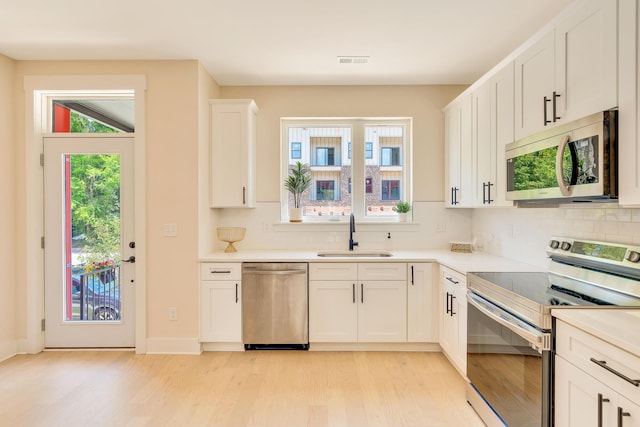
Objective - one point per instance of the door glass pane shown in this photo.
(92, 237)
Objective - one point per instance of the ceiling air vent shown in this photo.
(353, 59)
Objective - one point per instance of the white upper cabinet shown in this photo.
(492, 129)
(233, 139)
(458, 156)
(571, 71)
(629, 113)
(534, 87)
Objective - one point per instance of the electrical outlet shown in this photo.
(171, 230)
(173, 313)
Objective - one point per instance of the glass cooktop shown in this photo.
(539, 288)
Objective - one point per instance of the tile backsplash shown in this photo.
(520, 234)
(523, 233)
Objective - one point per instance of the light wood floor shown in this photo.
(257, 388)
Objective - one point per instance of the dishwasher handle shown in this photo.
(274, 272)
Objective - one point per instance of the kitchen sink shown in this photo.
(356, 253)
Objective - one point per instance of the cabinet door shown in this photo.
(220, 311)
(586, 60)
(422, 306)
(458, 156)
(534, 80)
(630, 413)
(484, 150)
(629, 113)
(382, 311)
(232, 153)
(448, 323)
(333, 311)
(578, 397)
(502, 119)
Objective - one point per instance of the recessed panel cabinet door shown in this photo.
(534, 81)
(333, 311)
(382, 312)
(221, 311)
(422, 310)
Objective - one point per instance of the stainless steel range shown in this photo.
(510, 333)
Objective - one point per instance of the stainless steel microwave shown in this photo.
(575, 162)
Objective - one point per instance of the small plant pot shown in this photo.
(295, 214)
(402, 217)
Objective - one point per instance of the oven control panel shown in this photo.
(596, 252)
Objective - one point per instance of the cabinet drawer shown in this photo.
(382, 271)
(452, 277)
(220, 271)
(333, 271)
(579, 347)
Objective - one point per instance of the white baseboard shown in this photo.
(374, 346)
(222, 346)
(8, 350)
(173, 346)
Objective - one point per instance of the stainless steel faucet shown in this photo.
(352, 229)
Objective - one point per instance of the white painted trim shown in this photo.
(36, 88)
(173, 346)
(8, 350)
(372, 346)
(222, 346)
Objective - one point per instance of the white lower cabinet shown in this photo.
(453, 317)
(346, 304)
(220, 302)
(587, 392)
(422, 313)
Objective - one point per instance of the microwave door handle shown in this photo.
(564, 188)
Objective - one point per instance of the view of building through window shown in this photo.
(331, 152)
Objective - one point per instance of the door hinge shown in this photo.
(42, 325)
(42, 242)
(41, 159)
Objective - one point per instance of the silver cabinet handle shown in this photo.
(220, 271)
(603, 364)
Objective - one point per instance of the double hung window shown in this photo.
(359, 166)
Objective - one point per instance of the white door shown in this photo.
(89, 241)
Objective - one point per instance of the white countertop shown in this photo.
(461, 262)
(618, 326)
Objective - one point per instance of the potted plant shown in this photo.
(402, 208)
(298, 181)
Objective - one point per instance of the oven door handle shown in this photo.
(539, 341)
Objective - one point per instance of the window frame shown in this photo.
(358, 162)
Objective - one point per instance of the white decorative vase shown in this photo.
(295, 214)
(402, 217)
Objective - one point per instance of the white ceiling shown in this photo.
(282, 42)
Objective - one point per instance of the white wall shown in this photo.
(8, 302)
(523, 233)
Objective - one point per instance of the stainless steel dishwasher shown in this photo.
(275, 305)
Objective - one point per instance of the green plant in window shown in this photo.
(298, 181)
(403, 207)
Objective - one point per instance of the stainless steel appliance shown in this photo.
(572, 162)
(275, 303)
(510, 331)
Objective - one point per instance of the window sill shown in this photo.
(324, 226)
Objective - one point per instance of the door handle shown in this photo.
(131, 259)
